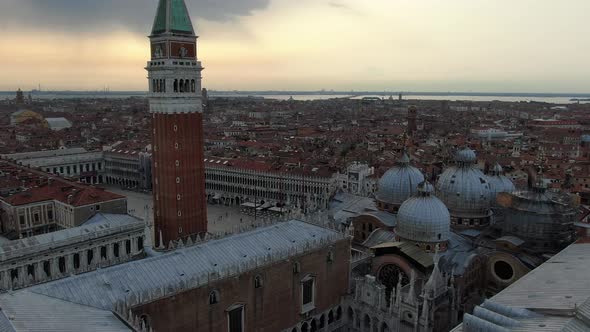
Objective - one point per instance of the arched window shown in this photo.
(187, 86)
(322, 322)
(314, 325)
(193, 86)
(296, 267)
(153, 85)
(181, 84)
(258, 281)
(338, 313)
(164, 85)
(145, 322)
(175, 85)
(367, 322)
(330, 257)
(214, 297)
(305, 327)
(330, 317)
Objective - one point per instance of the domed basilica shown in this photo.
(437, 251)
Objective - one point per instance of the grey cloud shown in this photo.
(337, 4)
(106, 15)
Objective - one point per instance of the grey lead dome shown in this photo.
(399, 183)
(423, 217)
(463, 188)
(499, 183)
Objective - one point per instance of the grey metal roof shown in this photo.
(411, 250)
(423, 218)
(379, 236)
(386, 218)
(30, 312)
(514, 240)
(559, 284)
(190, 267)
(98, 226)
(344, 206)
(553, 297)
(499, 184)
(5, 324)
(465, 155)
(459, 254)
(464, 190)
(399, 183)
(58, 123)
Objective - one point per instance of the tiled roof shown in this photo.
(74, 194)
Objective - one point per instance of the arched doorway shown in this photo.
(389, 276)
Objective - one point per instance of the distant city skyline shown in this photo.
(375, 45)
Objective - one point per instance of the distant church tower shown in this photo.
(174, 76)
(412, 115)
(20, 97)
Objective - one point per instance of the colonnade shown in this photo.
(59, 265)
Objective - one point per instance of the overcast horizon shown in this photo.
(523, 46)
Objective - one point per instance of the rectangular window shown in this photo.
(307, 294)
(21, 220)
(97, 207)
(235, 319)
(50, 214)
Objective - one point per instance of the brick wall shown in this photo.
(273, 307)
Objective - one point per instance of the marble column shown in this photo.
(54, 267)
(83, 260)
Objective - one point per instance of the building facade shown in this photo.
(75, 163)
(236, 185)
(128, 169)
(105, 240)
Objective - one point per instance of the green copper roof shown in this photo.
(172, 16)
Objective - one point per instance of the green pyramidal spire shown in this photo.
(172, 17)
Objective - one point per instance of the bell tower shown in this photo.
(174, 75)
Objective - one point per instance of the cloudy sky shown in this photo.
(411, 45)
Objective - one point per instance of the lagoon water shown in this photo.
(559, 99)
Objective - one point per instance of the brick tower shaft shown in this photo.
(174, 75)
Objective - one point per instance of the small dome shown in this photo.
(499, 183)
(399, 183)
(464, 188)
(423, 217)
(465, 155)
